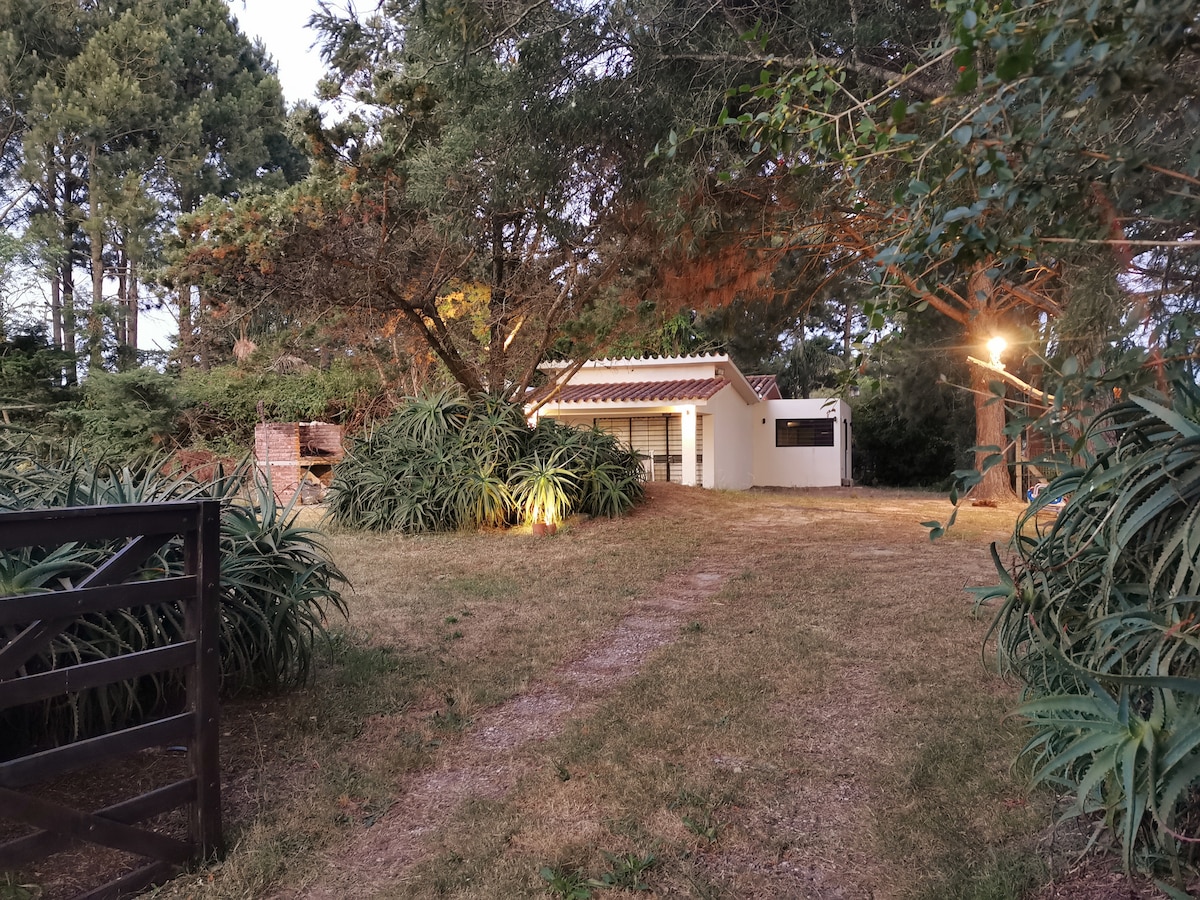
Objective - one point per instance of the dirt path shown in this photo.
(492, 755)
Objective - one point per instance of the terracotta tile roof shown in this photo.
(766, 386)
(687, 389)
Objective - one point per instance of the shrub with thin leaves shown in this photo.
(277, 586)
(610, 478)
(1100, 618)
(445, 462)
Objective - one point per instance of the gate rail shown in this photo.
(34, 620)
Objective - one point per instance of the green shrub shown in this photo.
(31, 370)
(1100, 618)
(219, 409)
(443, 462)
(122, 414)
(277, 585)
(609, 478)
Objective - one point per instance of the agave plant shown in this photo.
(1100, 617)
(443, 463)
(543, 488)
(277, 587)
(1133, 762)
(612, 476)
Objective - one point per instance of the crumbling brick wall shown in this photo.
(295, 455)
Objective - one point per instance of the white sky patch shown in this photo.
(281, 28)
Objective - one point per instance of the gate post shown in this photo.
(202, 618)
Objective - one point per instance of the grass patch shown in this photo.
(817, 721)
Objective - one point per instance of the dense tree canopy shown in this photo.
(976, 182)
(509, 181)
(113, 119)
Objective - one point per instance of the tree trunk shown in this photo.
(201, 336)
(125, 312)
(498, 311)
(68, 315)
(989, 408)
(95, 232)
(185, 325)
(56, 319)
(56, 316)
(120, 328)
(131, 310)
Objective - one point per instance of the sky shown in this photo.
(280, 26)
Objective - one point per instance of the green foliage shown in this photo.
(443, 463)
(542, 488)
(912, 425)
(626, 873)
(30, 372)
(568, 884)
(123, 414)
(277, 585)
(890, 448)
(1099, 619)
(608, 478)
(628, 870)
(218, 409)
(469, 190)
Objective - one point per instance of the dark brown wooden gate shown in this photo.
(35, 620)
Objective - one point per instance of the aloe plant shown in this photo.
(543, 487)
(277, 586)
(444, 463)
(1100, 617)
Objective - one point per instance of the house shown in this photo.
(700, 421)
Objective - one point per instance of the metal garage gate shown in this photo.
(660, 440)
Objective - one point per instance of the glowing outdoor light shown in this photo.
(996, 347)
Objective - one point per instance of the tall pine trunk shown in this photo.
(125, 311)
(185, 325)
(67, 279)
(131, 309)
(982, 325)
(95, 233)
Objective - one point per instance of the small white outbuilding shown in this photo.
(698, 420)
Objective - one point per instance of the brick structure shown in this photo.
(298, 456)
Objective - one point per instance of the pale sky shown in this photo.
(280, 26)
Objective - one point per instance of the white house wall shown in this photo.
(727, 431)
(800, 466)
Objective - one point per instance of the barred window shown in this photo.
(804, 432)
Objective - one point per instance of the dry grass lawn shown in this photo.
(759, 695)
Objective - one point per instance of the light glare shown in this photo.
(996, 347)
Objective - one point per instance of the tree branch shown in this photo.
(894, 80)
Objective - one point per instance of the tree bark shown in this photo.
(996, 484)
(201, 342)
(185, 325)
(120, 327)
(95, 232)
(131, 310)
(68, 315)
(498, 310)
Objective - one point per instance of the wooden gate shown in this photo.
(33, 620)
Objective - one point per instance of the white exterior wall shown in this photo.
(729, 418)
(734, 432)
(800, 466)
